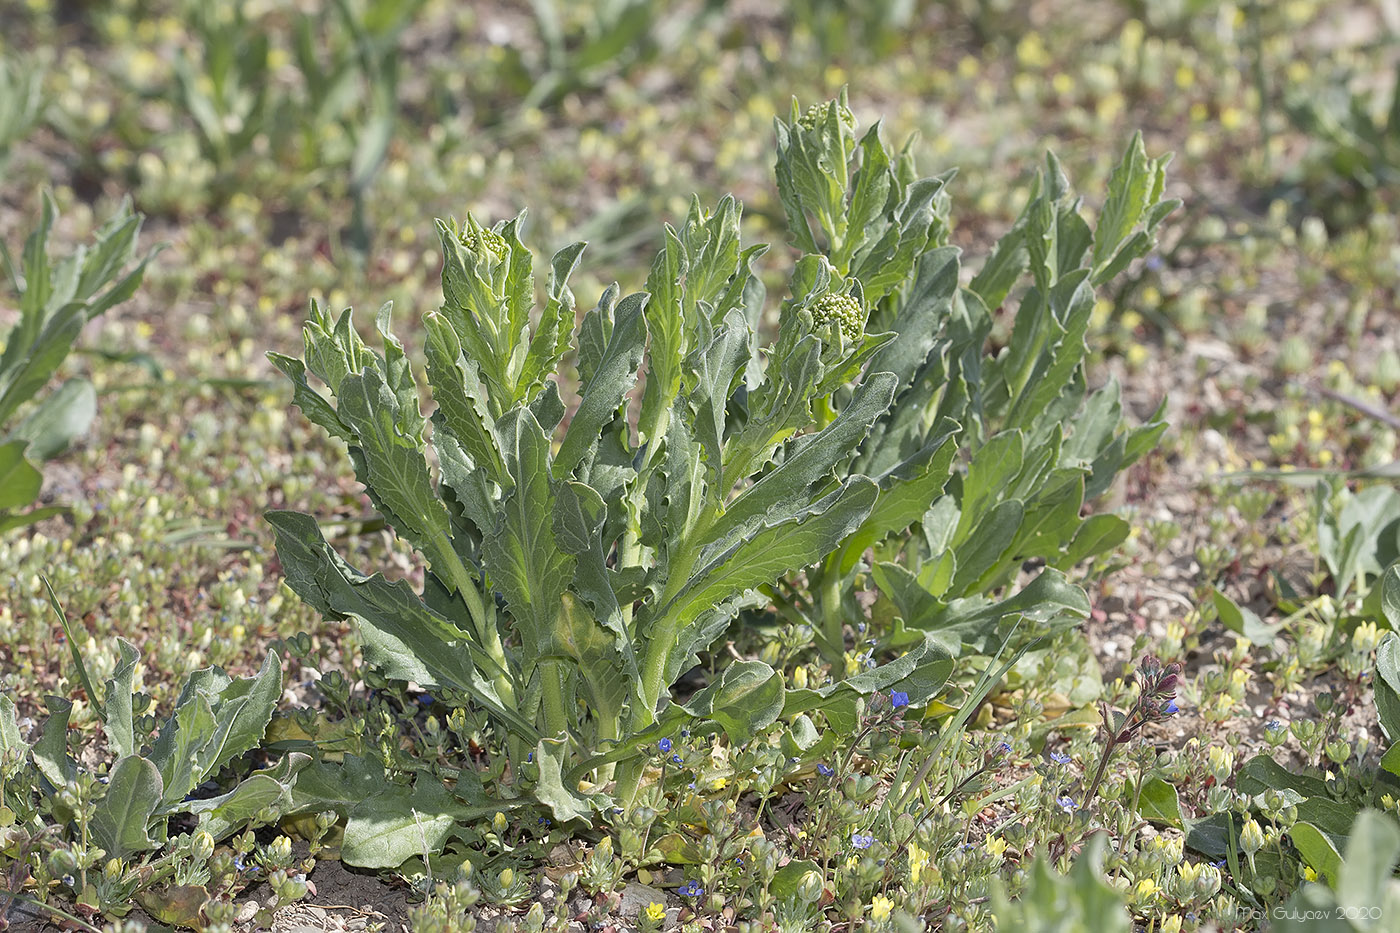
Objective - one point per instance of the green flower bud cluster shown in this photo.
(487, 243)
(845, 310)
(816, 113)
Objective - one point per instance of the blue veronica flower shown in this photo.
(1273, 725)
(664, 745)
(898, 698)
(823, 770)
(1067, 804)
(690, 889)
(677, 759)
(1170, 708)
(861, 841)
(1003, 748)
(1059, 759)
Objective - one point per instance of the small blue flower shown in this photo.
(530, 756)
(664, 745)
(690, 889)
(1059, 759)
(823, 770)
(1273, 725)
(860, 841)
(426, 699)
(544, 821)
(1003, 748)
(1170, 708)
(677, 759)
(1220, 864)
(1067, 804)
(898, 698)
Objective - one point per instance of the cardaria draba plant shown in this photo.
(582, 555)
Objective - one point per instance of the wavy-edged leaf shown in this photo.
(396, 473)
(774, 550)
(417, 642)
(118, 724)
(50, 752)
(521, 557)
(241, 714)
(20, 482)
(906, 493)
(121, 822)
(460, 398)
(784, 491)
(59, 417)
(187, 730)
(607, 386)
(745, 699)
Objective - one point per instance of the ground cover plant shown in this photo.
(1067, 606)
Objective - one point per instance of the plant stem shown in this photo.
(832, 618)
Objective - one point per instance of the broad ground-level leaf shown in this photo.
(1388, 686)
(241, 713)
(50, 753)
(550, 789)
(227, 813)
(19, 481)
(122, 822)
(61, 416)
(1317, 850)
(747, 697)
(1158, 802)
(121, 738)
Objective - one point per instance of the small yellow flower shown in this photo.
(1309, 874)
(656, 912)
(918, 861)
(995, 845)
(880, 908)
(1252, 837)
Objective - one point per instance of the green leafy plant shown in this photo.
(1078, 902)
(1353, 162)
(21, 102)
(1038, 445)
(348, 56)
(56, 298)
(1364, 894)
(116, 845)
(584, 44)
(573, 574)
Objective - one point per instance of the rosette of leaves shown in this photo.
(582, 555)
(158, 770)
(1035, 445)
(57, 296)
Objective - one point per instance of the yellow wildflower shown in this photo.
(656, 912)
(918, 861)
(880, 908)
